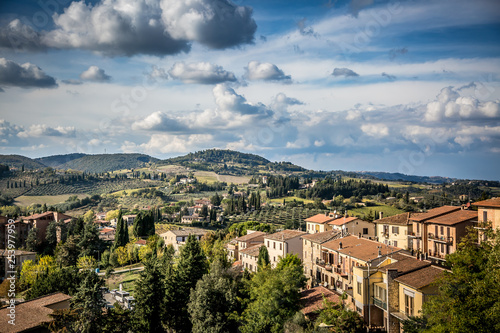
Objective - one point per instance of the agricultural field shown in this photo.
(364, 211)
(208, 177)
(26, 200)
(291, 198)
(233, 179)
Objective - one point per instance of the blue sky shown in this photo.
(397, 86)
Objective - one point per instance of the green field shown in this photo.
(26, 200)
(364, 211)
(127, 279)
(288, 199)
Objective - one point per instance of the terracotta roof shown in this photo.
(250, 236)
(106, 230)
(454, 217)
(406, 264)
(31, 314)
(343, 220)
(435, 212)
(359, 248)
(493, 202)
(37, 216)
(285, 235)
(399, 219)
(320, 218)
(312, 299)
(252, 250)
(321, 237)
(421, 278)
(141, 242)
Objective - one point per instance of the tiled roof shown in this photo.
(37, 216)
(422, 277)
(31, 314)
(106, 230)
(321, 237)
(399, 219)
(320, 218)
(493, 202)
(406, 264)
(252, 250)
(360, 248)
(250, 236)
(454, 217)
(435, 212)
(312, 299)
(285, 235)
(343, 220)
(141, 242)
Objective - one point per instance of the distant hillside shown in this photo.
(408, 178)
(55, 161)
(108, 162)
(226, 161)
(18, 161)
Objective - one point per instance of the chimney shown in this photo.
(359, 235)
(380, 215)
(379, 251)
(340, 246)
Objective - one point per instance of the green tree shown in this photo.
(149, 294)
(213, 300)
(86, 263)
(51, 238)
(89, 302)
(32, 243)
(121, 234)
(263, 259)
(342, 319)
(89, 243)
(274, 298)
(468, 298)
(67, 253)
(65, 280)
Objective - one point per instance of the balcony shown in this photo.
(379, 303)
(440, 239)
(437, 255)
(385, 234)
(412, 234)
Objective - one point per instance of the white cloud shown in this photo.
(201, 72)
(266, 72)
(42, 130)
(375, 130)
(95, 74)
(158, 121)
(26, 75)
(167, 143)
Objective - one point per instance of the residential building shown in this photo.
(107, 234)
(232, 250)
(129, 219)
(250, 239)
(188, 219)
(353, 225)
(282, 243)
(437, 232)
(334, 268)
(31, 315)
(311, 248)
(42, 221)
(388, 293)
(394, 230)
(318, 223)
(488, 215)
(177, 238)
(19, 258)
(249, 257)
(21, 232)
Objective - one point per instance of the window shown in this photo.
(365, 231)
(280, 246)
(380, 293)
(395, 230)
(360, 287)
(267, 243)
(442, 230)
(485, 216)
(274, 245)
(408, 305)
(418, 227)
(396, 243)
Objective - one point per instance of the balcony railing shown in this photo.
(441, 239)
(413, 234)
(385, 234)
(380, 303)
(437, 255)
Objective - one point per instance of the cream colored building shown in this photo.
(488, 215)
(318, 222)
(177, 238)
(249, 257)
(394, 230)
(282, 243)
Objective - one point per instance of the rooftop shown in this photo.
(406, 264)
(252, 250)
(321, 237)
(493, 202)
(250, 236)
(435, 212)
(399, 219)
(312, 299)
(343, 220)
(422, 277)
(31, 314)
(454, 217)
(360, 248)
(320, 218)
(285, 235)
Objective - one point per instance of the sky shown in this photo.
(359, 85)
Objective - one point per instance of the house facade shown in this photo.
(282, 243)
(177, 238)
(42, 221)
(249, 257)
(488, 216)
(19, 258)
(394, 230)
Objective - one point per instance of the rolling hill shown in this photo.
(18, 161)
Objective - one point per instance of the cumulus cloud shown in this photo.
(26, 75)
(281, 102)
(42, 130)
(346, 72)
(167, 143)
(158, 121)
(375, 130)
(130, 27)
(450, 105)
(157, 73)
(266, 72)
(95, 74)
(201, 72)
